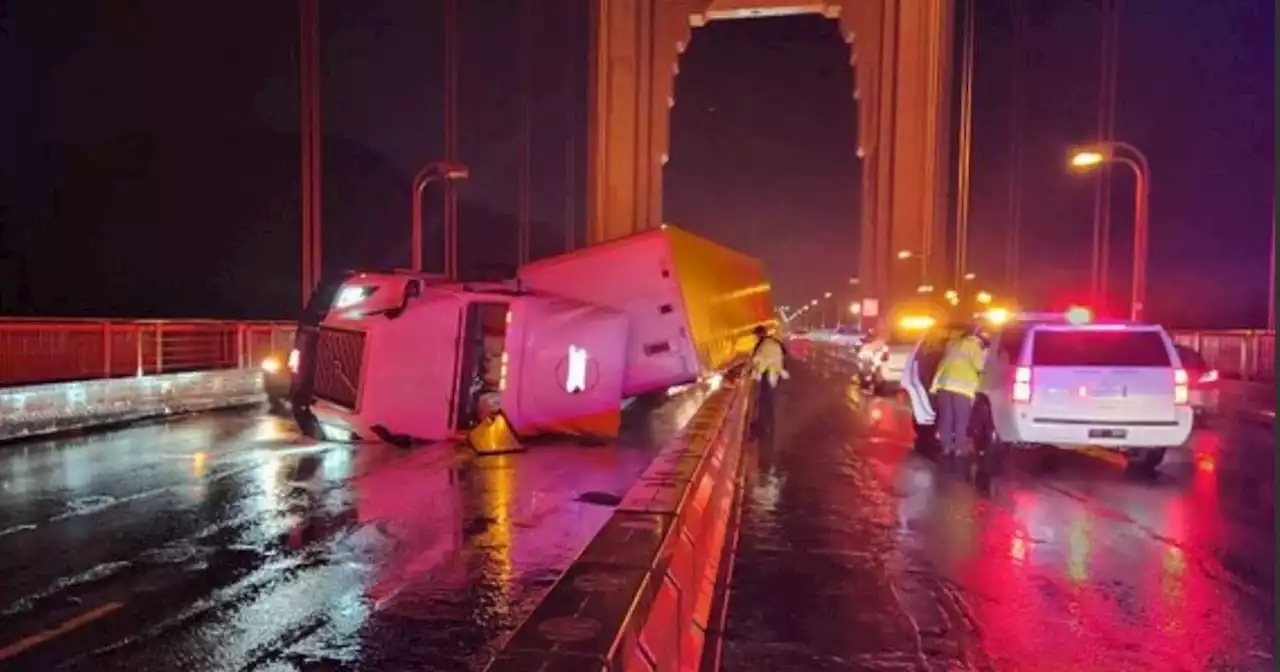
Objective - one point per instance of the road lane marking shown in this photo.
(21, 646)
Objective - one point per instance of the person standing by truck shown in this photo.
(768, 366)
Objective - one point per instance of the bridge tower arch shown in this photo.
(901, 54)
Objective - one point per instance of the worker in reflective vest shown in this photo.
(955, 386)
(768, 366)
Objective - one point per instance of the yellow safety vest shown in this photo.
(961, 368)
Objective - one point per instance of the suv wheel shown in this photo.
(1144, 459)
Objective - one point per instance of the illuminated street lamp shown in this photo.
(1092, 156)
(924, 289)
(436, 170)
(1087, 159)
(984, 298)
(855, 308)
(968, 277)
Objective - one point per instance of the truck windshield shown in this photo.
(1089, 348)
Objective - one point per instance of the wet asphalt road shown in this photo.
(228, 542)
(857, 553)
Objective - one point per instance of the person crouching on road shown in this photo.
(955, 386)
(768, 366)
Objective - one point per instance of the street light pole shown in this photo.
(309, 129)
(1271, 274)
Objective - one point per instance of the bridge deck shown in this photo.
(857, 553)
(226, 541)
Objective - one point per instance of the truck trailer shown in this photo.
(690, 303)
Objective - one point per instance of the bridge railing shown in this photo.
(1240, 354)
(41, 350)
(34, 351)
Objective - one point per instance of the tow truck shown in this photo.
(410, 358)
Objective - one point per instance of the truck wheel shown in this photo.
(1144, 460)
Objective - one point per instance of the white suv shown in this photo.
(1111, 385)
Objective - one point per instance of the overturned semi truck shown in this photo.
(410, 357)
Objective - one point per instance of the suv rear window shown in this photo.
(1099, 348)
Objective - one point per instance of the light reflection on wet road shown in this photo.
(857, 553)
(227, 542)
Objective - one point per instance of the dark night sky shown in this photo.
(152, 167)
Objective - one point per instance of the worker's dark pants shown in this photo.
(954, 410)
(765, 396)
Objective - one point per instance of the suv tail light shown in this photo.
(1022, 384)
(1180, 393)
(1210, 376)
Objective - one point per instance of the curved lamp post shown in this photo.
(436, 170)
(1088, 157)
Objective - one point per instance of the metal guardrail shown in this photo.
(34, 351)
(1240, 354)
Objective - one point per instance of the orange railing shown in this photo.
(1241, 354)
(42, 350)
(39, 350)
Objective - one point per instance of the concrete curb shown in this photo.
(39, 410)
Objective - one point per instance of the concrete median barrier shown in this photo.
(36, 410)
(640, 595)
